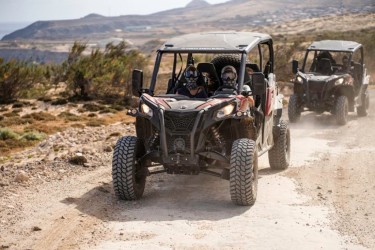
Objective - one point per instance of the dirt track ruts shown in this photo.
(324, 200)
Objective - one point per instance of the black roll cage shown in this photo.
(344, 51)
(177, 53)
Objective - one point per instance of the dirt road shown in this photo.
(325, 200)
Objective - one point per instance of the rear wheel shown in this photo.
(243, 175)
(341, 110)
(279, 155)
(128, 176)
(362, 110)
(294, 112)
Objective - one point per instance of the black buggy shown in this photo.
(221, 135)
(332, 78)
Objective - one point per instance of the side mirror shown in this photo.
(259, 83)
(137, 82)
(294, 66)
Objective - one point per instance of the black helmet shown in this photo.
(191, 76)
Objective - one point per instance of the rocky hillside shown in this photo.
(196, 16)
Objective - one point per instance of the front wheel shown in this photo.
(294, 112)
(279, 155)
(128, 176)
(243, 175)
(341, 110)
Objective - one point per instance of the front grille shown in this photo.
(316, 87)
(178, 144)
(180, 121)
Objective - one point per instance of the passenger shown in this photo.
(345, 64)
(229, 77)
(192, 88)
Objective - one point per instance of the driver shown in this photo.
(191, 88)
(229, 76)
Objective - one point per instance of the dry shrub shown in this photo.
(17, 110)
(77, 125)
(40, 116)
(45, 99)
(43, 128)
(107, 110)
(117, 107)
(10, 140)
(59, 101)
(18, 105)
(14, 121)
(67, 116)
(11, 114)
(92, 107)
(95, 122)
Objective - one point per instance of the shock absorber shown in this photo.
(154, 141)
(217, 137)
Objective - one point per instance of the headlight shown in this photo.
(146, 110)
(339, 81)
(223, 112)
(299, 79)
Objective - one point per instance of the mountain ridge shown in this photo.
(196, 16)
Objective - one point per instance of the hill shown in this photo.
(196, 16)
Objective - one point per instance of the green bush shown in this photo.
(6, 133)
(17, 78)
(33, 136)
(101, 74)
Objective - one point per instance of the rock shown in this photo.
(78, 159)
(2, 168)
(36, 229)
(3, 184)
(50, 157)
(21, 176)
(88, 165)
(107, 149)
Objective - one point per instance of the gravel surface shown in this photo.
(325, 200)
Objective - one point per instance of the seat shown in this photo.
(324, 66)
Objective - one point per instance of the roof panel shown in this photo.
(215, 41)
(335, 45)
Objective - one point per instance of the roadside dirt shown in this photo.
(324, 200)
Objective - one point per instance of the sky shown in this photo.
(29, 11)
